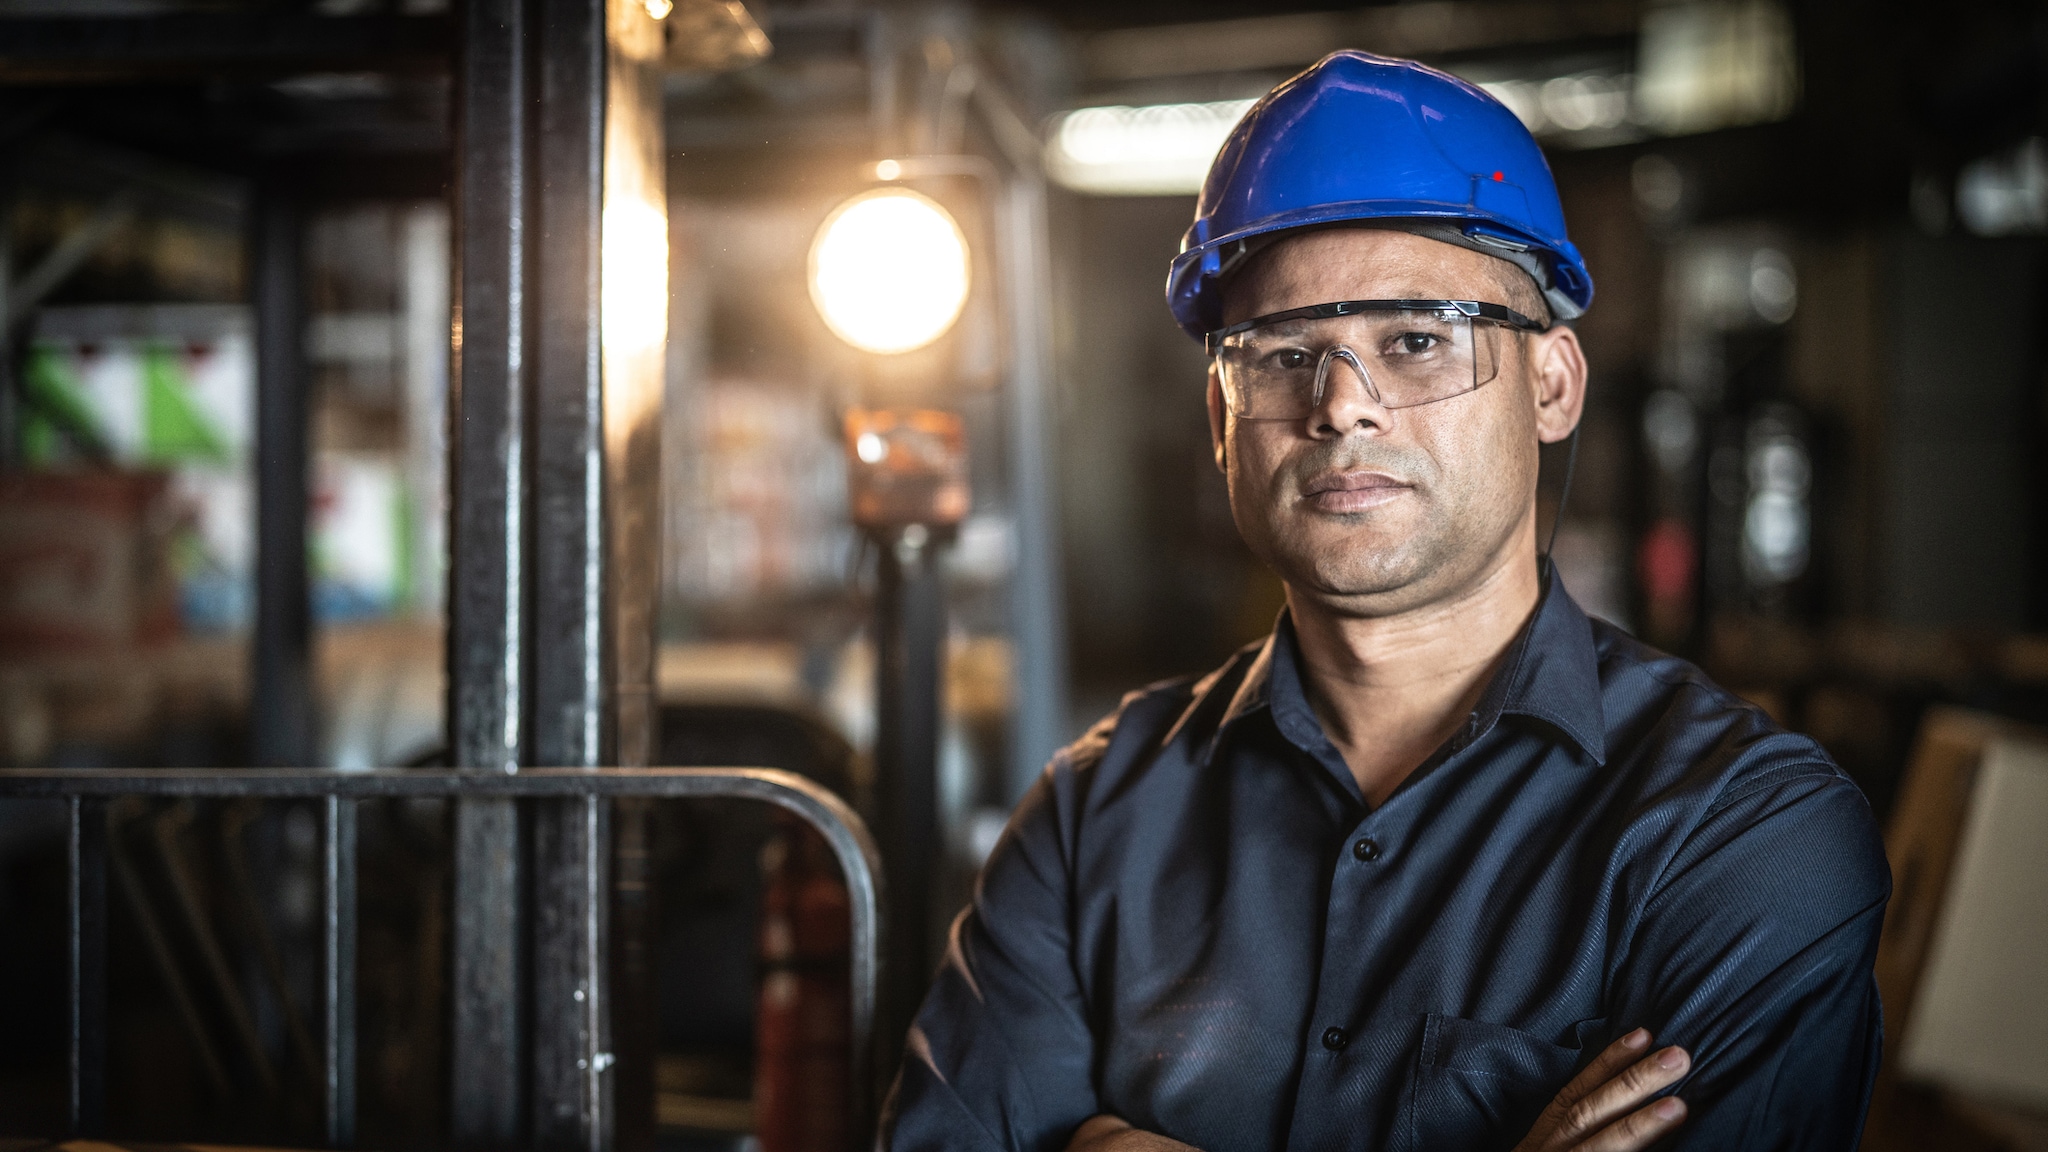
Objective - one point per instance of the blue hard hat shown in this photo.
(1359, 137)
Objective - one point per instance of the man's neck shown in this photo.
(1390, 689)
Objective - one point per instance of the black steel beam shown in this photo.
(487, 653)
(48, 50)
(88, 908)
(568, 594)
(910, 629)
(571, 1006)
(487, 979)
(281, 648)
(486, 610)
(338, 969)
(568, 597)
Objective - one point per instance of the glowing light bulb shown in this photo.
(889, 271)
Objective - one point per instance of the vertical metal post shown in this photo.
(338, 968)
(88, 925)
(10, 395)
(909, 629)
(570, 1056)
(1037, 611)
(281, 647)
(571, 722)
(487, 536)
(486, 662)
(568, 591)
(553, 487)
(486, 1049)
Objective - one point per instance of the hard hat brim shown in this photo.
(1193, 286)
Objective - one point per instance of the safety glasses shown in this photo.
(1405, 353)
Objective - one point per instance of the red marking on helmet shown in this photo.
(1499, 176)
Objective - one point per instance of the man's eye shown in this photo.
(1413, 343)
(1292, 359)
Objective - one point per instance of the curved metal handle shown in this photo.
(842, 828)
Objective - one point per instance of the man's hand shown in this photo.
(1106, 1133)
(1593, 1113)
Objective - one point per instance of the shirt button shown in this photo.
(1335, 1039)
(1366, 850)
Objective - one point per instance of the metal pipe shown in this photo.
(909, 630)
(1037, 608)
(568, 697)
(570, 1053)
(859, 862)
(566, 487)
(87, 899)
(338, 968)
(487, 654)
(486, 978)
(281, 649)
(487, 529)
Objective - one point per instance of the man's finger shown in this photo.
(1636, 1083)
(1610, 1061)
(1638, 1129)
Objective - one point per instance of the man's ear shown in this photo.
(1557, 380)
(1216, 420)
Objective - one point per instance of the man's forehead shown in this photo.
(1358, 263)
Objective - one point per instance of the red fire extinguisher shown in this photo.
(802, 1025)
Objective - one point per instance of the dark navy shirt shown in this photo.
(1195, 922)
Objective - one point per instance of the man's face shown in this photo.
(1376, 511)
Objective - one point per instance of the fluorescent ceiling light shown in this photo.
(1155, 150)
(1715, 64)
(1700, 65)
(1584, 109)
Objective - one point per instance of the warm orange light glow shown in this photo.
(889, 271)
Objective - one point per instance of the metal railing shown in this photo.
(90, 790)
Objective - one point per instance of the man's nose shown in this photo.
(1349, 401)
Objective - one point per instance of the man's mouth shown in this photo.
(1353, 491)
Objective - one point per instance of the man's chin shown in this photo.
(1387, 584)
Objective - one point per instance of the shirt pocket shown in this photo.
(1479, 1086)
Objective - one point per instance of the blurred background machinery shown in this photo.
(234, 247)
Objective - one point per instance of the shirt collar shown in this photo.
(1552, 674)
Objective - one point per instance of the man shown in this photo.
(1441, 849)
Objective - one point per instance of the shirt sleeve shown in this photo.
(1755, 953)
(1001, 1054)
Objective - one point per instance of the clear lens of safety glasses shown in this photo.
(1402, 352)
